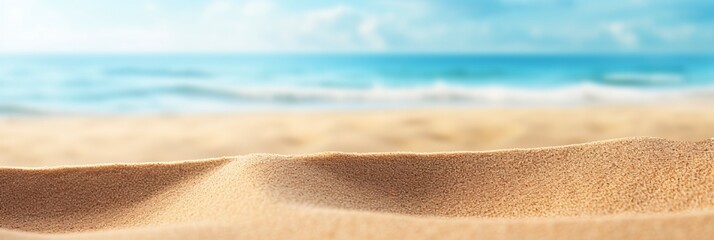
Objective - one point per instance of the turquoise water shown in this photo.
(129, 84)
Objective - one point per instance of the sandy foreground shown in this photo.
(618, 187)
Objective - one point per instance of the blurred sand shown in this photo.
(54, 141)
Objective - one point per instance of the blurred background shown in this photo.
(132, 81)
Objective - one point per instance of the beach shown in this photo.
(274, 119)
(623, 172)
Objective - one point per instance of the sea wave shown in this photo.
(187, 98)
(584, 93)
(23, 109)
(639, 79)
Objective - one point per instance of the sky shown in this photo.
(383, 26)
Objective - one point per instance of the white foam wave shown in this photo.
(195, 98)
(583, 93)
(643, 78)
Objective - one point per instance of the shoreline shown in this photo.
(586, 96)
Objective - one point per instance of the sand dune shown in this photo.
(638, 188)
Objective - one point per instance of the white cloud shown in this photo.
(327, 16)
(151, 6)
(216, 8)
(369, 30)
(257, 8)
(249, 8)
(26, 24)
(623, 35)
(333, 27)
(262, 26)
(31, 26)
(275, 25)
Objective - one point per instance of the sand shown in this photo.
(627, 188)
(55, 141)
(637, 188)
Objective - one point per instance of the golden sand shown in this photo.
(637, 188)
(629, 188)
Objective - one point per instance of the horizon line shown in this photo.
(406, 53)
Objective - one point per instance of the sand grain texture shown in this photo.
(637, 188)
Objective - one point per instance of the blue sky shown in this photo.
(479, 26)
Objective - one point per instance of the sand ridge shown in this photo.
(632, 188)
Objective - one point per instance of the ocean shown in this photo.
(185, 83)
